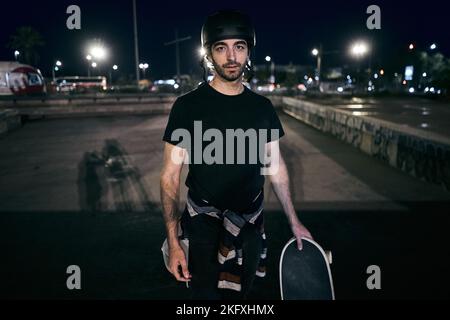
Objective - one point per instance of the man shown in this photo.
(223, 218)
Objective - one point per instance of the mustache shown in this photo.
(232, 64)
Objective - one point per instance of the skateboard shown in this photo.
(305, 274)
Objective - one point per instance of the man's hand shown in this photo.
(300, 231)
(177, 259)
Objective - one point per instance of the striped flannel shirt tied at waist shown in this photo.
(230, 248)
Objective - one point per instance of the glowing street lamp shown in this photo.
(98, 52)
(94, 64)
(433, 46)
(16, 55)
(115, 68)
(359, 49)
(411, 46)
(317, 53)
(55, 68)
(144, 67)
(268, 58)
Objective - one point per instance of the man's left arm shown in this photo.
(279, 178)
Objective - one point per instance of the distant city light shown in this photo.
(315, 52)
(382, 72)
(176, 85)
(424, 74)
(340, 89)
(375, 76)
(424, 125)
(88, 57)
(427, 89)
(305, 77)
(115, 67)
(310, 80)
(404, 82)
(94, 64)
(409, 72)
(58, 63)
(432, 89)
(433, 46)
(411, 46)
(56, 69)
(268, 58)
(411, 90)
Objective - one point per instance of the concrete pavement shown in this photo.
(85, 191)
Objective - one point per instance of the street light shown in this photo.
(98, 52)
(433, 46)
(318, 53)
(94, 64)
(411, 46)
(114, 67)
(55, 68)
(89, 58)
(16, 55)
(144, 67)
(359, 49)
(272, 69)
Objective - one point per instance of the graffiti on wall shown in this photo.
(417, 156)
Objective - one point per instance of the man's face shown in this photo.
(229, 58)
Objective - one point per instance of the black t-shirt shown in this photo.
(226, 183)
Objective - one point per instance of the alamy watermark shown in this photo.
(374, 280)
(74, 280)
(374, 20)
(222, 147)
(74, 20)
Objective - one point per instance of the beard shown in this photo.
(226, 74)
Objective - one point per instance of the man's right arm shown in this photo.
(169, 187)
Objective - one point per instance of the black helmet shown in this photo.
(228, 24)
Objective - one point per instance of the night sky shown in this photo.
(286, 30)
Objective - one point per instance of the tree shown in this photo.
(437, 68)
(27, 40)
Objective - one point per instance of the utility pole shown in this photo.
(136, 47)
(177, 51)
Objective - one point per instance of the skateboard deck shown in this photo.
(305, 274)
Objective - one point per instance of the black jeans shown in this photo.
(204, 235)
